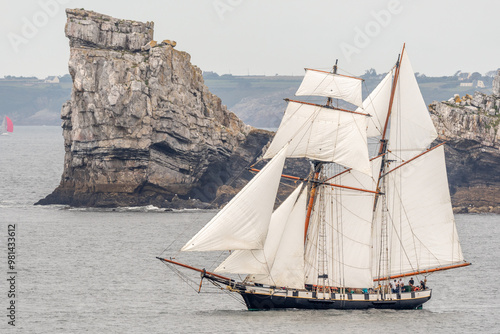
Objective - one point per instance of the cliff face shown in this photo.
(470, 125)
(141, 127)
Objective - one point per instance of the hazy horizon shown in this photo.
(242, 37)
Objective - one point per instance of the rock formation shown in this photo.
(496, 85)
(141, 127)
(470, 125)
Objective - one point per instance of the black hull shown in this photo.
(268, 302)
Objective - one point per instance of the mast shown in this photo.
(415, 198)
(334, 227)
(383, 141)
(312, 195)
(384, 261)
(329, 102)
(393, 92)
(317, 169)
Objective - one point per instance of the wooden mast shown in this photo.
(382, 173)
(317, 169)
(383, 151)
(383, 141)
(393, 92)
(312, 195)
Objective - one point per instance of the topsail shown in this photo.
(321, 83)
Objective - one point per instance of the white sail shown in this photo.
(412, 130)
(377, 105)
(244, 221)
(422, 232)
(323, 134)
(320, 83)
(338, 246)
(260, 261)
(370, 219)
(286, 265)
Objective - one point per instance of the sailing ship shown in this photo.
(7, 126)
(361, 219)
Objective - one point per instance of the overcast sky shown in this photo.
(272, 36)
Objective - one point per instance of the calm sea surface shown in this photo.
(94, 271)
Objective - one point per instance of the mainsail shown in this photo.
(422, 230)
(414, 228)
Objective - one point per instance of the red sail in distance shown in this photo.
(10, 125)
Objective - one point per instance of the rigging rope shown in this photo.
(227, 292)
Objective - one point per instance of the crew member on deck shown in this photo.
(394, 287)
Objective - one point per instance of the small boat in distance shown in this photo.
(7, 126)
(361, 220)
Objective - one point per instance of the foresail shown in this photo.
(323, 134)
(412, 130)
(287, 269)
(377, 105)
(244, 221)
(260, 261)
(338, 244)
(320, 83)
(422, 233)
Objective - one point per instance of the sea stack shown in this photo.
(141, 127)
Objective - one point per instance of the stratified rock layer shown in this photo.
(470, 125)
(141, 127)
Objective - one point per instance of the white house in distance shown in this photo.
(53, 80)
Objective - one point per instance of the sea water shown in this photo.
(95, 271)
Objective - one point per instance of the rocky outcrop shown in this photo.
(496, 85)
(141, 127)
(470, 125)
